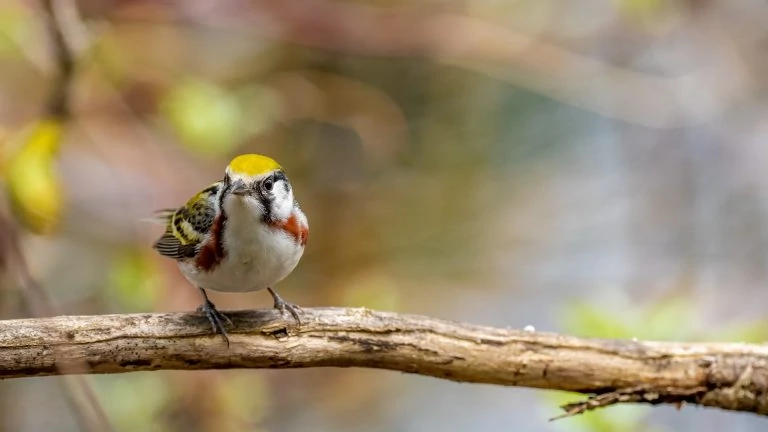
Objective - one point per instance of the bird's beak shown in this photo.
(240, 188)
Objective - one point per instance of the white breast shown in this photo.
(257, 256)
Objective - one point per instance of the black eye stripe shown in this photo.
(280, 176)
(266, 198)
(266, 202)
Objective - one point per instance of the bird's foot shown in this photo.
(283, 306)
(216, 318)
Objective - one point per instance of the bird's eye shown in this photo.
(268, 183)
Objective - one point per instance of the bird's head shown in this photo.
(258, 184)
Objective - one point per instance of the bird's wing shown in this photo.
(187, 227)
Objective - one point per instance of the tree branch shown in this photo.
(727, 376)
(59, 95)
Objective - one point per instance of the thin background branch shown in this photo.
(81, 396)
(58, 97)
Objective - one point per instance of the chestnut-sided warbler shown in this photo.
(243, 233)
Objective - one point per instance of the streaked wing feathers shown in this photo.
(170, 246)
(187, 227)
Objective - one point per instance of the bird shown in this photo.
(243, 233)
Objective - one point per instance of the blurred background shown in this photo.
(582, 166)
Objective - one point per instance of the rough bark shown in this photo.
(723, 375)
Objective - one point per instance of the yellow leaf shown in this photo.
(33, 187)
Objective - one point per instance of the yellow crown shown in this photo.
(252, 165)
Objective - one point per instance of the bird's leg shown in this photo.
(283, 306)
(215, 317)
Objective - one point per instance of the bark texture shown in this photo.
(723, 375)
